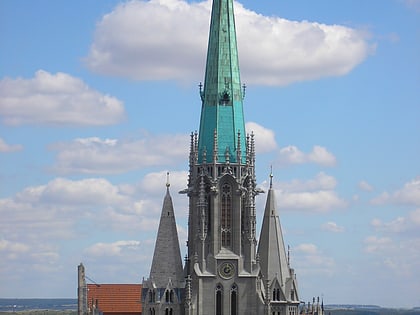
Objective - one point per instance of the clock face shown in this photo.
(226, 270)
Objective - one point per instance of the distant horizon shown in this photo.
(325, 303)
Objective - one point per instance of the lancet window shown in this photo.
(234, 300)
(169, 296)
(226, 216)
(276, 294)
(152, 296)
(219, 300)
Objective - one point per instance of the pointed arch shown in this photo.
(234, 300)
(152, 296)
(277, 293)
(226, 214)
(219, 299)
(229, 203)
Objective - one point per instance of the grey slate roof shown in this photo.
(271, 250)
(167, 263)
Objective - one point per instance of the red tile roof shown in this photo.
(115, 298)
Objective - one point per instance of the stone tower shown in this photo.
(225, 275)
(163, 291)
(223, 271)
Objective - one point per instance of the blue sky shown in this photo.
(97, 101)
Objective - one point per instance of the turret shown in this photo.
(271, 249)
(274, 262)
(164, 289)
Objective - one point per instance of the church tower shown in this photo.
(223, 270)
(224, 273)
(163, 291)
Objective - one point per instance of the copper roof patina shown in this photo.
(222, 119)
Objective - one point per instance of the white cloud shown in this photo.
(62, 191)
(265, 139)
(39, 221)
(315, 194)
(111, 156)
(154, 182)
(319, 201)
(402, 224)
(11, 250)
(5, 148)
(332, 227)
(319, 155)
(363, 185)
(396, 244)
(141, 216)
(56, 99)
(400, 256)
(291, 155)
(307, 248)
(409, 194)
(273, 51)
(321, 181)
(112, 249)
(397, 225)
(62, 208)
(36, 221)
(311, 260)
(118, 261)
(375, 244)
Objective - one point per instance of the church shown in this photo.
(226, 272)
(228, 269)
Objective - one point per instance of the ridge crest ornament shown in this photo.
(227, 270)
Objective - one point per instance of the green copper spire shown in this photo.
(222, 124)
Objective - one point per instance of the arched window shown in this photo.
(152, 296)
(234, 300)
(276, 294)
(226, 216)
(219, 300)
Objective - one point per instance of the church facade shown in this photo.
(227, 272)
